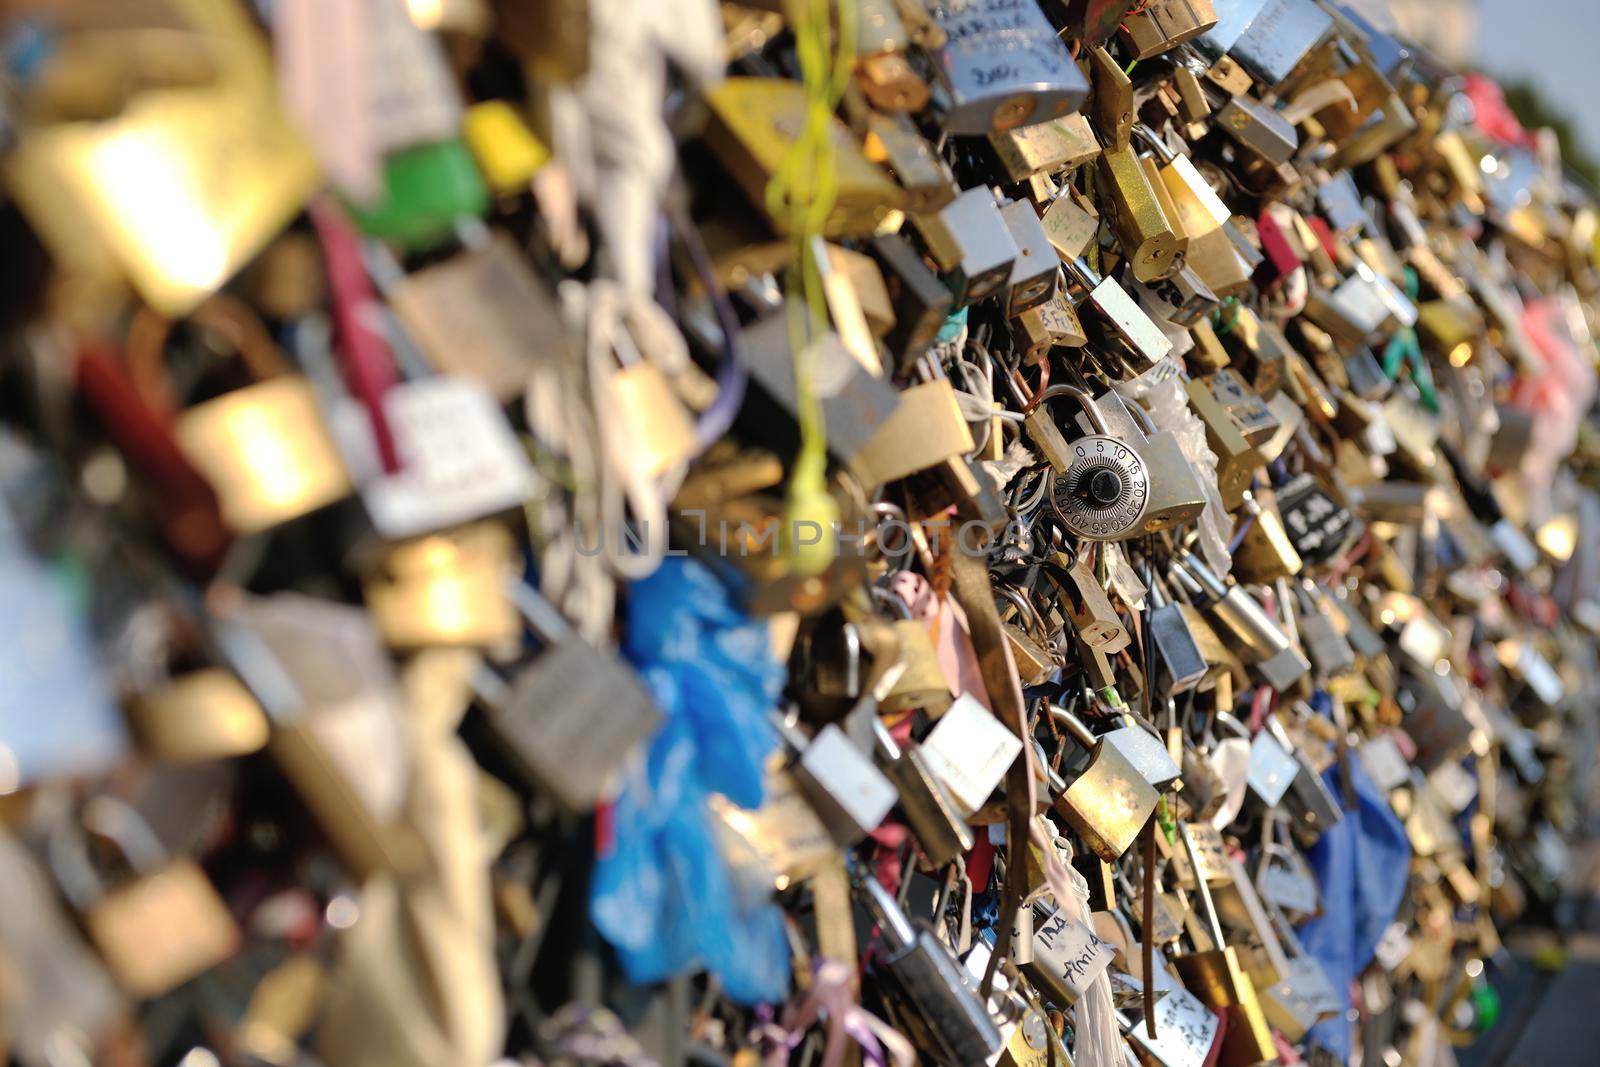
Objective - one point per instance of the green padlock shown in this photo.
(426, 189)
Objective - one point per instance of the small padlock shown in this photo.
(159, 930)
(1180, 664)
(1035, 273)
(198, 716)
(1145, 234)
(1101, 486)
(971, 244)
(1117, 313)
(920, 301)
(1162, 25)
(1265, 644)
(1031, 647)
(571, 718)
(1045, 148)
(265, 448)
(970, 751)
(1111, 103)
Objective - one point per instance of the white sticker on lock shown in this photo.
(970, 750)
(1069, 952)
(460, 459)
(1185, 1030)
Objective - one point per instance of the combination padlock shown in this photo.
(1102, 492)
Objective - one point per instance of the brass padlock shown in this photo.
(1052, 147)
(1161, 25)
(1146, 237)
(446, 589)
(157, 931)
(198, 716)
(1030, 643)
(1237, 458)
(265, 448)
(1119, 781)
(754, 122)
(1111, 104)
(1219, 980)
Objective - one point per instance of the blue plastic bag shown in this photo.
(1361, 865)
(664, 896)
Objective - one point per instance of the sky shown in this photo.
(1556, 43)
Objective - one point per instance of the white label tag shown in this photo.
(460, 460)
(1185, 1030)
(1070, 952)
(970, 750)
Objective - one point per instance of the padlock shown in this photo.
(1111, 104)
(1118, 315)
(920, 301)
(1258, 128)
(1101, 486)
(1162, 25)
(1052, 147)
(506, 150)
(1217, 979)
(926, 428)
(265, 448)
(1031, 647)
(1002, 66)
(1071, 222)
(893, 142)
(1310, 802)
(1305, 996)
(1176, 496)
(1120, 778)
(1326, 645)
(1265, 553)
(970, 750)
(970, 242)
(446, 589)
(198, 716)
(1180, 663)
(1284, 879)
(1266, 646)
(1146, 236)
(1186, 1030)
(569, 720)
(480, 314)
(1279, 38)
(1247, 919)
(1087, 608)
(1035, 273)
(1049, 325)
(1068, 956)
(930, 810)
(754, 123)
(161, 929)
(950, 1021)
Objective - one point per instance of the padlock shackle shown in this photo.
(1075, 726)
(146, 348)
(1060, 389)
(1150, 137)
(1086, 275)
(1033, 621)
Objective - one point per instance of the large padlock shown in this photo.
(948, 1018)
(1120, 778)
(1001, 67)
(1101, 485)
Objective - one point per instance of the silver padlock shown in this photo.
(1101, 485)
(1002, 67)
(1119, 314)
(1265, 644)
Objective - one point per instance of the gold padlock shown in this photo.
(1147, 238)
(265, 448)
(198, 716)
(447, 589)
